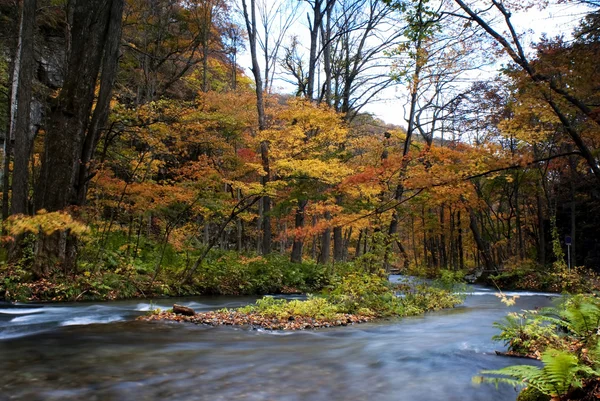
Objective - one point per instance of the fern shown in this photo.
(562, 372)
(580, 316)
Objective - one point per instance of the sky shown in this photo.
(555, 20)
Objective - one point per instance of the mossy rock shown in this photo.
(532, 394)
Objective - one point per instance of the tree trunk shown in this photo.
(482, 245)
(314, 42)
(68, 119)
(20, 121)
(251, 27)
(461, 251)
(326, 43)
(266, 202)
(298, 245)
(572, 167)
(338, 244)
(357, 252)
(98, 124)
(541, 231)
(325, 243)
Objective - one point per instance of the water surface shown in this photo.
(98, 352)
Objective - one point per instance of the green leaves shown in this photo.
(561, 373)
(566, 339)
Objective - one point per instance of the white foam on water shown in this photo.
(145, 307)
(274, 332)
(82, 321)
(21, 311)
(517, 293)
(28, 319)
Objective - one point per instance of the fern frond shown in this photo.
(560, 370)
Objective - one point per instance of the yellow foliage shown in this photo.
(45, 223)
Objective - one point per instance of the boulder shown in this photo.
(183, 310)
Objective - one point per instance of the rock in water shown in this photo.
(183, 310)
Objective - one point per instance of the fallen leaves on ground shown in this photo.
(234, 318)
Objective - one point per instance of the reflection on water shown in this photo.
(431, 357)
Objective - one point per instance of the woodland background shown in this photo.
(141, 158)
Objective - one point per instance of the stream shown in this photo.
(97, 351)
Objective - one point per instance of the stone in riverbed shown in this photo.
(183, 310)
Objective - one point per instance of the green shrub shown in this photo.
(314, 307)
(428, 298)
(362, 291)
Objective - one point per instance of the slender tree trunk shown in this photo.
(251, 27)
(266, 202)
(347, 238)
(326, 39)
(314, 43)
(325, 242)
(442, 239)
(338, 240)
(572, 167)
(357, 251)
(461, 251)
(239, 226)
(6, 176)
(298, 245)
(520, 243)
(482, 245)
(541, 231)
(20, 122)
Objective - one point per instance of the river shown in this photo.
(96, 351)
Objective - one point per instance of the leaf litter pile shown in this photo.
(254, 320)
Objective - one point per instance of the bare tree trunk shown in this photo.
(541, 231)
(325, 242)
(482, 245)
(251, 27)
(326, 43)
(461, 251)
(357, 252)
(298, 245)
(442, 244)
(347, 238)
(338, 240)
(573, 212)
(20, 122)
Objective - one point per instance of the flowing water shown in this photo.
(98, 352)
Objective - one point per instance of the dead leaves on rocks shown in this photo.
(255, 320)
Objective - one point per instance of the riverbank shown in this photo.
(227, 273)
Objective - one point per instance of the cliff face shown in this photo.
(50, 59)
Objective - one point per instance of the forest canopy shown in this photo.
(141, 154)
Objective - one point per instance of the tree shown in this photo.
(74, 123)
(548, 84)
(20, 127)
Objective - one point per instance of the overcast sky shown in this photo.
(554, 20)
